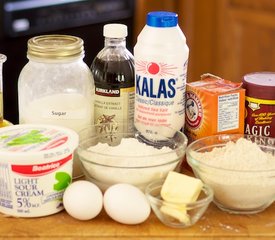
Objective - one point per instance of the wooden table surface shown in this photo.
(215, 224)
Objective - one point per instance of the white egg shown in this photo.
(126, 204)
(83, 200)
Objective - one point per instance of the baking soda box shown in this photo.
(214, 106)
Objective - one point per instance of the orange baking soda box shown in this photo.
(214, 106)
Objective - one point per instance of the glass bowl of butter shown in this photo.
(179, 201)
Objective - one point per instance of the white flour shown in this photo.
(242, 155)
(133, 158)
(239, 189)
(131, 147)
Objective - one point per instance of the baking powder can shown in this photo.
(260, 103)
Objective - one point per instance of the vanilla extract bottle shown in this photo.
(113, 72)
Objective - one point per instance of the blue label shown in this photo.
(146, 87)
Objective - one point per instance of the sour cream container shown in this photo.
(35, 168)
(260, 103)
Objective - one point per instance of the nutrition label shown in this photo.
(228, 111)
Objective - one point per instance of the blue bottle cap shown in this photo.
(162, 19)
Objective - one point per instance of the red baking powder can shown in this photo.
(260, 103)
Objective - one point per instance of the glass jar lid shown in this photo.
(55, 47)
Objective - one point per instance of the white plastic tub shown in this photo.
(35, 168)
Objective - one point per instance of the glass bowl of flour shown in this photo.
(110, 155)
(240, 169)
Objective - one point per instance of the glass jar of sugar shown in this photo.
(56, 86)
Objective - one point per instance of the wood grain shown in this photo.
(215, 224)
(228, 38)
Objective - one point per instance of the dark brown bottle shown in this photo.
(113, 72)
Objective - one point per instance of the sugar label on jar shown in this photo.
(68, 110)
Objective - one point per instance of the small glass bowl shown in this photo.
(239, 190)
(177, 215)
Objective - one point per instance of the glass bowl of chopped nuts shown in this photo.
(240, 168)
(178, 214)
(109, 154)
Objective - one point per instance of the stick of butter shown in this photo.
(180, 188)
(177, 213)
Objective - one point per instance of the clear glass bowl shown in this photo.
(180, 215)
(131, 165)
(237, 189)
